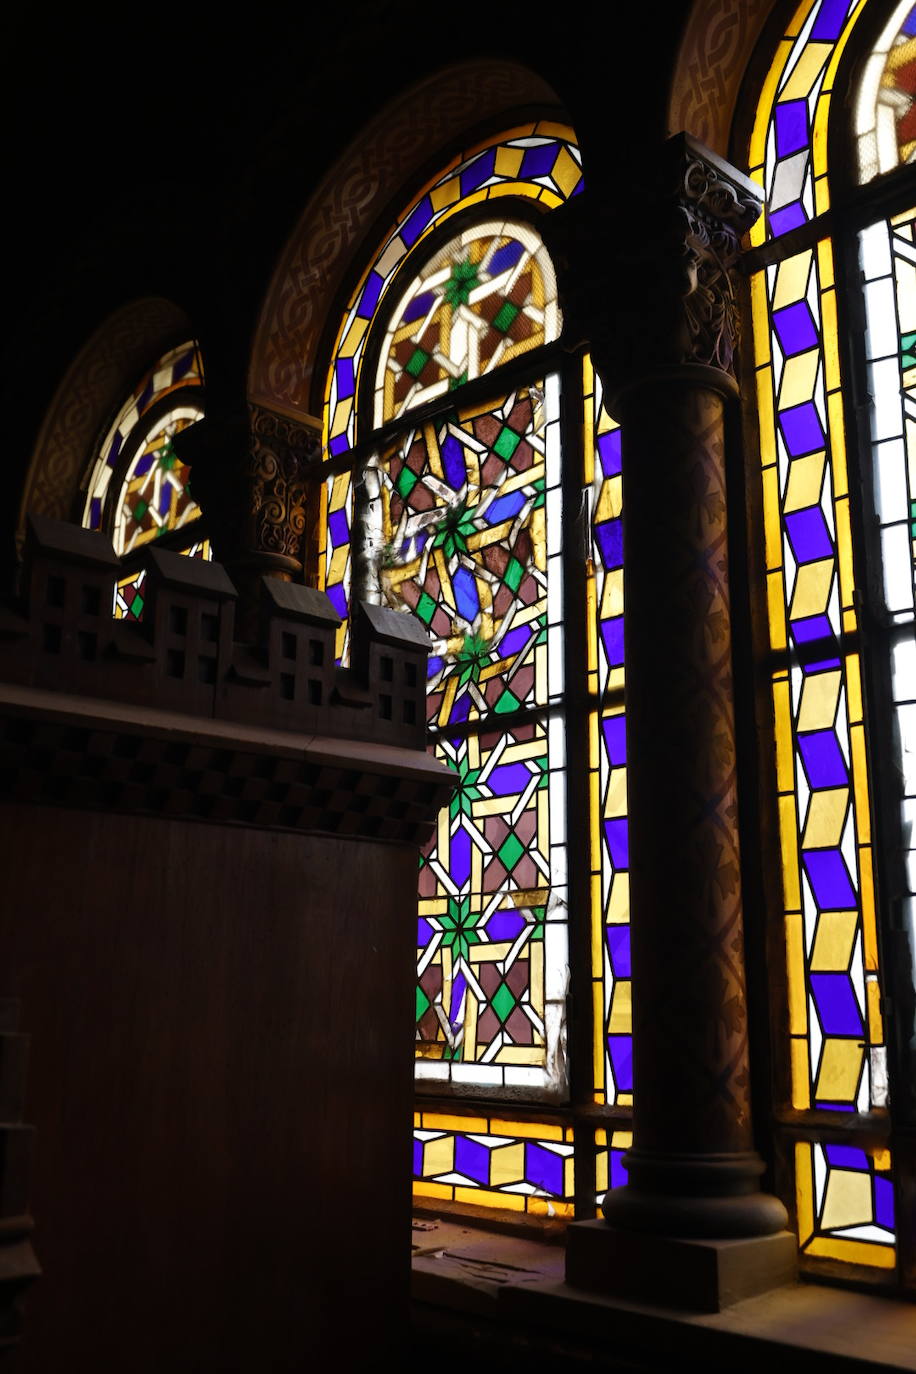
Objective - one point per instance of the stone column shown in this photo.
(663, 344)
(252, 474)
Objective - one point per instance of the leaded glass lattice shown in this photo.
(488, 296)
(838, 1056)
(152, 494)
(885, 113)
(456, 531)
(609, 849)
(488, 1160)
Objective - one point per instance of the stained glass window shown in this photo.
(834, 638)
(138, 488)
(451, 463)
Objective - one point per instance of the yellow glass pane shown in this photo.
(860, 782)
(508, 161)
(438, 1190)
(840, 1068)
(847, 1200)
(485, 1197)
(772, 530)
(853, 1252)
(824, 822)
(507, 1165)
(812, 589)
(795, 965)
(566, 172)
(801, 1081)
(806, 478)
(819, 698)
(439, 1155)
(530, 1130)
(875, 1019)
(836, 932)
(806, 71)
(620, 1021)
(798, 378)
(804, 1190)
(792, 279)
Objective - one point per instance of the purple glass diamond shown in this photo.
(505, 257)
(538, 162)
(544, 1169)
(801, 429)
(620, 1051)
(338, 528)
(823, 759)
(460, 857)
(791, 127)
(836, 1004)
(609, 538)
(505, 925)
(509, 780)
(615, 835)
(884, 1203)
(417, 221)
(846, 1157)
(479, 171)
(830, 20)
(618, 944)
(609, 453)
(615, 739)
(809, 535)
(612, 639)
(795, 328)
(343, 370)
(829, 880)
(789, 217)
(472, 1159)
(370, 297)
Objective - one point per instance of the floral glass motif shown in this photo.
(885, 110)
(456, 531)
(486, 297)
(463, 526)
(154, 496)
(488, 1161)
(491, 934)
(838, 1056)
(538, 162)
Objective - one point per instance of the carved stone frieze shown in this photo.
(645, 276)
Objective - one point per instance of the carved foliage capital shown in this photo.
(280, 453)
(644, 269)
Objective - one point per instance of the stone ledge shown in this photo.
(480, 1290)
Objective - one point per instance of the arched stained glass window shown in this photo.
(138, 489)
(466, 449)
(839, 558)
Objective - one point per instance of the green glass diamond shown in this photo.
(507, 702)
(140, 509)
(417, 361)
(406, 481)
(510, 851)
(426, 607)
(502, 1002)
(505, 316)
(908, 350)
(422, 1003)
(513, 574)
(506, 443)
(136, 606)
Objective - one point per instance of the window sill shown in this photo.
(486, 1293)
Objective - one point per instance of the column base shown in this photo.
(667, 1271)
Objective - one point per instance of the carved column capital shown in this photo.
(281, 451)
(644, 270)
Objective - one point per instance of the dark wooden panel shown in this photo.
(221, 1082)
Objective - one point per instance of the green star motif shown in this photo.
(461, 282)
(454, 530)
(473, 655)
(467, 791)
(458, 927)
